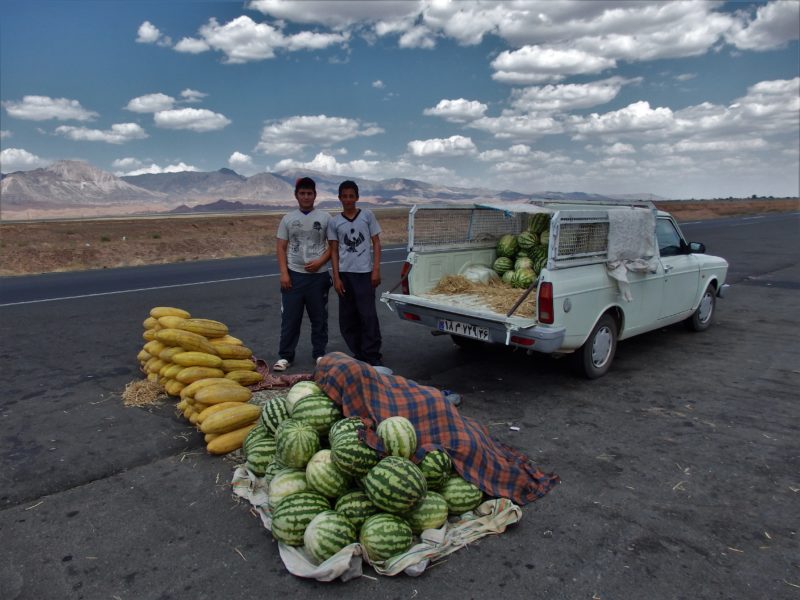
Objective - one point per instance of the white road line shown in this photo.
(159, 287)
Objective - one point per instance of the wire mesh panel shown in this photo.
(582, 238)
(461, 227)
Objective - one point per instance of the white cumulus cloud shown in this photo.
(5, 134)
(243, 40)
(378, 84)
(154, 169)
(534, 64)
(193, 119)
(634, 117)
(242, 163)
(150, 103)
(567, 97)
(295, 133)
(456, 145)
(774, 25)
(150, 34)
(375, 169)
(190, 95)
(17, 159)
(119, 133)
(43, 108)
(126, 163)
(190, 45)
(457, 111)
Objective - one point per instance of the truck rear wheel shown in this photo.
(595, 356)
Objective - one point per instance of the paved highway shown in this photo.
(679, 468)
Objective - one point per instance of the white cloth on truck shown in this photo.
(631, 245)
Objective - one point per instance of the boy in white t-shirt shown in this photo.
(354, 238)
(302, 251)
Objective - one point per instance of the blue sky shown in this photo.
(681, 99)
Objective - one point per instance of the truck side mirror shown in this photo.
(697, 248)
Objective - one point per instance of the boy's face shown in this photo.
(348, 198)
(305, 198)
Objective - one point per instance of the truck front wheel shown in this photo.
(701, 318)
(595, 356)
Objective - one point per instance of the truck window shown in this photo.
(669, 240)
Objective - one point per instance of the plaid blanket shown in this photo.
(496, 468)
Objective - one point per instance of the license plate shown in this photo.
(465, 329)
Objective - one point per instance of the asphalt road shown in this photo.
(680, 469)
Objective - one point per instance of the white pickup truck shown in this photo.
(612, 271)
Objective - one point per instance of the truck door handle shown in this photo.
(668, 268)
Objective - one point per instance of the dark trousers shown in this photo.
(358, 319)
(309, 292)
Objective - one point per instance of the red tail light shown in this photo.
(545, 303)
(522, 341)
(404, 270)
(411, 316)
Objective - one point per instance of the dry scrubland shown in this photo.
(47, 246)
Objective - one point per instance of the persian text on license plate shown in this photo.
(465, 329)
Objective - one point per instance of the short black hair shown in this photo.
(348, 185)
(304, 183)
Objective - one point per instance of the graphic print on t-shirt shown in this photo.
(353, 243)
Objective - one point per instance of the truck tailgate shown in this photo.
(466, 315)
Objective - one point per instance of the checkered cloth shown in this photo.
(496, 468)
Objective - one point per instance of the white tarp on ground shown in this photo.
(491, 517)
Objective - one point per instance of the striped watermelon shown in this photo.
(297, 442)
(544, 238)
(502, 264)
(285, 483)
(327, 533)
(291, 517)
(383, 536)
(324, 476)
(273, 413)
(256, 433)
(273, 469)
(508, 276)
(523, 278)
(395, 484)
(430, 513)
(317, 410)
(398, 435)
(299, 390)
(461, 496)
(523, 262)
(538, 222)
(539, 263)
(507, 245)
(351, 455)
(342, 425)
(527, 240)
(436, 467)
(356, 506)
(260, 454)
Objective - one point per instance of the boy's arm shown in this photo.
(376, 261)
(315, 265)
(283, 263)
(338, 285)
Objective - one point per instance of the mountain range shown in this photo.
(68, 186)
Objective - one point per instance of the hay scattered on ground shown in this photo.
(143, 393)
(498, 295)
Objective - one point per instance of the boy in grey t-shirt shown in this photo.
(354, 237)
(302, 251)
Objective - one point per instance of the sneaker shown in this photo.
(281, 365)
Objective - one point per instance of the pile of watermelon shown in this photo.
(520, 258)
(328, 489)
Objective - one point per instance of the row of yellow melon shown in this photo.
(220, 409)
(198, 360)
